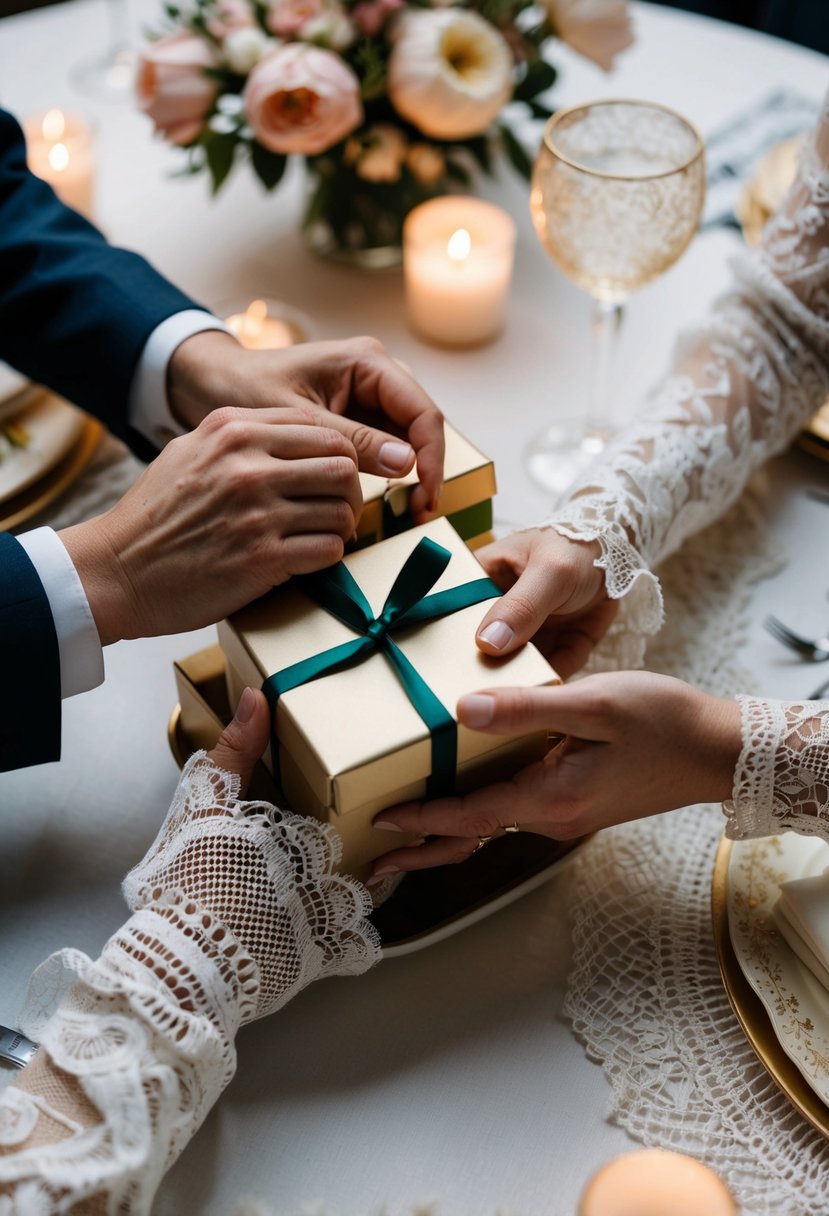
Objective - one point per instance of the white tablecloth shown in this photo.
(445, 1075)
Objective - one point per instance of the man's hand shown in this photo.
(239, 505)
(212, 369)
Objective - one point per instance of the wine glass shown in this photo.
(617, 193)
(111, 74)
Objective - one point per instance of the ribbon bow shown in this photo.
(336, 590)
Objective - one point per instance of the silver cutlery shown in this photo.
(815, 649)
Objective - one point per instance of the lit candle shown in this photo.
(258, 329)
(654, 1182)
(457, 262)
(59, 149)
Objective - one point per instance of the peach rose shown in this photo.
(172, 87)
(302, 99)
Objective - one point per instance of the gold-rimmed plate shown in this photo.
(48, 428)
(21, 507)
(761, 875)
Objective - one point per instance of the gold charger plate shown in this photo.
(35, 498)
(435, 904)
(749, 1009)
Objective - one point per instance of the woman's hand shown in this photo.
(353, 380)
(554, 596)
(633, 744)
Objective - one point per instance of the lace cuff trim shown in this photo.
(781, 782)
(627, 578)
(237, 908)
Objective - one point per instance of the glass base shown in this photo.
(321, 238)
(110, 77)
(556, 457)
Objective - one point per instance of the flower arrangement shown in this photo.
(389, 101)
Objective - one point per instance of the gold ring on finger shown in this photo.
(509, 828)
(482, 840)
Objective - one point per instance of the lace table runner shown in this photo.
(645, 994)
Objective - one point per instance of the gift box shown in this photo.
(352, 741)
(466, 498)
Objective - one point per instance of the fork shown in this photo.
(815, 649)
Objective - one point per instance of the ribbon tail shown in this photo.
(436, 717)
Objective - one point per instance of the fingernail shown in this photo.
(375, 881)
(246, 706)
(476, 709)
(497, 635)
(384, 826)
(396, 456)
(382, 872)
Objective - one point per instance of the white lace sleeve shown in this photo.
(236, 907)
(741, 388)
(781, 782)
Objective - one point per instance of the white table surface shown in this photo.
(444, 1075)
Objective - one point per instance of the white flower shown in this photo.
(243, 48)
(426, 163)
(450, 72)
(597, 29)
(331, 29)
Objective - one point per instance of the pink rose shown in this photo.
(371, 15)
(230, 15)
(302, 99)
(172, 87)
(285, 18)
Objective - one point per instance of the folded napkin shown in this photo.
(802, 916)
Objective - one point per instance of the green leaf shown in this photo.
(538, 110)
(480, 149)
(220, 151)
(268, 166)
(516, 154)
(457, 173)
(538, 77)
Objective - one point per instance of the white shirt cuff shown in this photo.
(81, 654)
(149, 410)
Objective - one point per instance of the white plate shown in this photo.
(52, 426)
(797, 1004)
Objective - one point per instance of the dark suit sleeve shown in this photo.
(30, 703)
(75, 312)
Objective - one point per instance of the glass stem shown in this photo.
(607, 317)
(117, 17)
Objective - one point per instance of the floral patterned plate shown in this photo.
(796, 1003)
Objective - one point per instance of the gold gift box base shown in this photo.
(429, 905)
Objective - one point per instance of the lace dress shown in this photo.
(741, 389)
(235, 909)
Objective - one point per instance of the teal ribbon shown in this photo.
(336, 590)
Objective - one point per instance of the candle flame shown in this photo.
(53, 126)
(253, 320)
(58, 157)
(460, 243)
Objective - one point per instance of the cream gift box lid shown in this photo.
(468, 479)
(356, 731)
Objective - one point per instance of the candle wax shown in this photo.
(654, 1182)
(457, 260)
